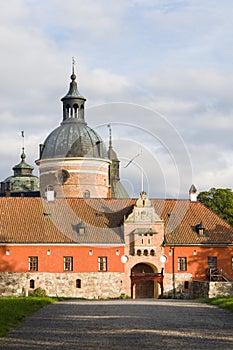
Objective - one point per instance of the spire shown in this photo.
(73, 101)
(110, 135)
(23, 155)
(111, 153)
(22, 168)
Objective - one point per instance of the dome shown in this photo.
(73, 138)
(23, 180)
(22, 183)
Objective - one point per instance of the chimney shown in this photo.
(193, 194)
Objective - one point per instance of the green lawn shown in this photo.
(223, 302)
(14, 310)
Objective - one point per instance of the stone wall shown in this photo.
(181, 282)
(93, 285)
(220, 289)
(205, 289)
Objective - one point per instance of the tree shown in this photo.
(220, 200)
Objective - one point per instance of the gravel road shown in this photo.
(124, 324)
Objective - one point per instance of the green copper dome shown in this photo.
(23, 180)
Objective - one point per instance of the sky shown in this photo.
(159, 71)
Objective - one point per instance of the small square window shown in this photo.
(102, 263)
(182, 264)
(68, 263)
(33, 263)
(81, 230)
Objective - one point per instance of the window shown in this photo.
(212, 262)
(86, 194)
(33, 263)
(32, 284)
(102, 263)
(139, 252)
(62, 176)
(182, 264)
(68, 263)
(186, 285)
(152, 252)
(232, 263)
(145, 252)
(149, 240)
(78, 283)
(81, 231)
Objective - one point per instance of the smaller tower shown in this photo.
(73, 101)
(23, 182)
(117, 190)
(193, 194)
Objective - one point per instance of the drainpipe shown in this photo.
(173, 272)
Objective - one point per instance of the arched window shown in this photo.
(75, 110)
(32, 284)
(152, 252)
(139, 252)
(78, 283)
(145, 252)
(68, 111)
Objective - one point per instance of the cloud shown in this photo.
(174, 57)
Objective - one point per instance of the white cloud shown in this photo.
(174, 57)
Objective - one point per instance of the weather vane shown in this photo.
(22, 134)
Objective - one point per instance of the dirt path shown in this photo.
(126, 324)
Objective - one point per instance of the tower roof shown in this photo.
(73, 92)
(23, 180)
(23, 168)
(73, 138)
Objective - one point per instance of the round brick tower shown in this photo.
(73, 160)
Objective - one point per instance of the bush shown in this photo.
(38, 292)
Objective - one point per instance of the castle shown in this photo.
(76, 233)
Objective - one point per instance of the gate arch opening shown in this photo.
(145, 281)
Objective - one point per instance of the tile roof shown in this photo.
(33, 220)
(181, 217)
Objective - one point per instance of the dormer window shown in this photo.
(200, 229)
(81, 231)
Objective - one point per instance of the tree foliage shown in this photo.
(220, 201)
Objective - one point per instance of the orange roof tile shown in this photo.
(33, 220)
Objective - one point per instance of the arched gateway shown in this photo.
(145, 281)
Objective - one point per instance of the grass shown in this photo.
(223, 302)
(14, 310)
